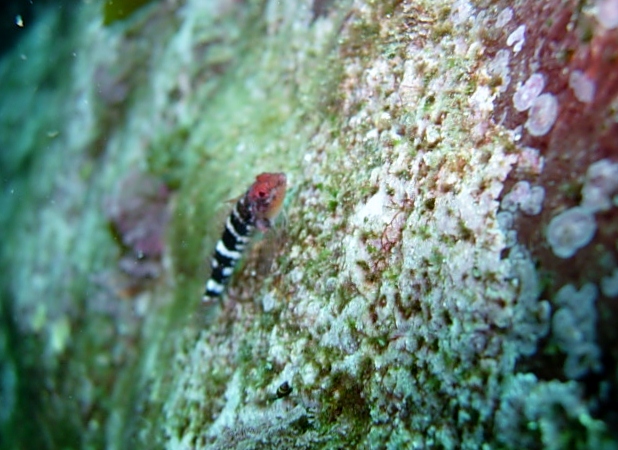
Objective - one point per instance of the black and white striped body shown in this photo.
(258, 208)
(229, 249)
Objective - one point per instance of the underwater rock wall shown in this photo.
(445, 273)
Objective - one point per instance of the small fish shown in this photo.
(258, 208)
(284, 390)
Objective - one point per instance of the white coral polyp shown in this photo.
(543, 113)
(601, 184)
(533, 203)
(583, 87)
(571, 230)
(526, 94)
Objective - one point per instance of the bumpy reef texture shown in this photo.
(445, 275)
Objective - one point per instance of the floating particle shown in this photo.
(607, 13)
(526, 94)
(542, 115)
(517, 38)
(583, 87)
(571, 230)
(600, 185)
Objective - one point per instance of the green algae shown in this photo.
(115, 10)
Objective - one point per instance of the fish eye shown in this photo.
(261, 194)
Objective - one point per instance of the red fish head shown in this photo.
(265, 198)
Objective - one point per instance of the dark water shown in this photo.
(17, 15)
